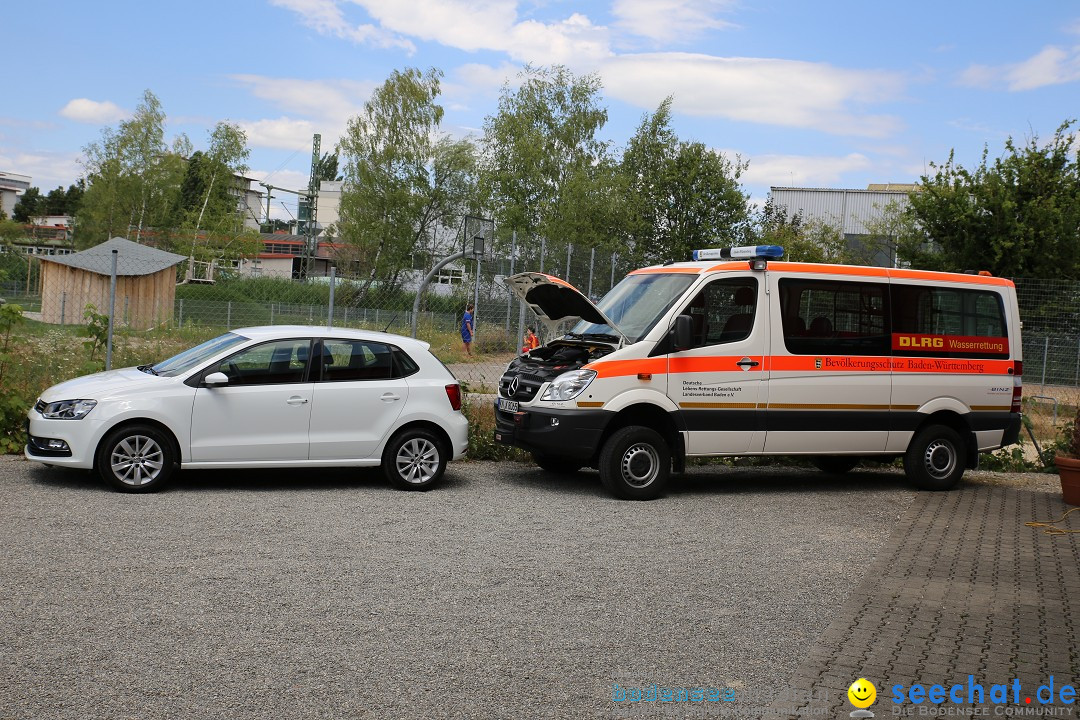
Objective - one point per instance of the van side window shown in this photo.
(948, 322)
(723, 311)
(828, 317)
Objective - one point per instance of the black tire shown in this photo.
(558, 465)
(935, 458)
(136, 458)
(635, 463)
(835, 464)
(414, 459)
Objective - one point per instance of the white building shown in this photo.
(329, 208)
(853, 212)
(11, 186)
(249, 201)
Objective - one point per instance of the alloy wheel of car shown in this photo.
(417, 460)
(136, 460)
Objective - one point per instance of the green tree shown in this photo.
(402, 178)
(1018, 216)
(30, 204)
(680, 195)
(544, 167)
(133, 177)
(327, 168)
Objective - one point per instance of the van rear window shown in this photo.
(948, 322)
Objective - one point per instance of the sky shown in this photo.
(810, 94)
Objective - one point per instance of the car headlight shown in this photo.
(569, 385)
(66, 409)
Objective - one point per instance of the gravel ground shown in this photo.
(504, 593)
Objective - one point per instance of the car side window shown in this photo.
(273, 363)
(723, 311)
(351, 360)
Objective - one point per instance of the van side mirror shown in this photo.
(682, 333)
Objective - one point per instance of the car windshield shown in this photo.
(637, 303)
(179, 364)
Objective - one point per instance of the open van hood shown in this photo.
(555, 301)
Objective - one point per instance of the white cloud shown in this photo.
(284, 132)
(800, 170)
(92, 111)
(1052, 65)
(670, 20)
(47, 170)
(760, 90)
(331, 100)
(325, 16)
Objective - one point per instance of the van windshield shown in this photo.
(637, 303)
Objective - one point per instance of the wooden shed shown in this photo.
(145, 284)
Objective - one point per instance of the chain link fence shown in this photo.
(149, 293)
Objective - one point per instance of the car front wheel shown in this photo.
(136, 458)
(414, 460)
(635, 463)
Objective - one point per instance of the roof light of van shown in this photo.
(737, 253)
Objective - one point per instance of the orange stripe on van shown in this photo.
(801, 363)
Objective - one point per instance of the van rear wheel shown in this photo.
(935, 458)
(635, 463)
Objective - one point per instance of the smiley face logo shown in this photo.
(862, 693)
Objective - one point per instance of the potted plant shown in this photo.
(1068, 462)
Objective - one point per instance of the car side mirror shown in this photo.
(682, 333)
(216, 378)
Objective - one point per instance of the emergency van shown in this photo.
(737, 354)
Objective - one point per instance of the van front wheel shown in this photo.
(635, 463)
(935, 458)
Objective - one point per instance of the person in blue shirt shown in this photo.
(467, 329)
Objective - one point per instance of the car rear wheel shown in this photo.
(935, 458)
(414, 460)
(136, 458)
(635, 463)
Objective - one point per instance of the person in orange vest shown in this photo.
(529, 341)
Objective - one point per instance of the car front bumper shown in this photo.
(558, 433)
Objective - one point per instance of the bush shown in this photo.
(482, 445)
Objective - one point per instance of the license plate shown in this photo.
(508, 405)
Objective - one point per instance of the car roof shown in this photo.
(269, 332)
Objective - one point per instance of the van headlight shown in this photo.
(569, 385)
(66, 409)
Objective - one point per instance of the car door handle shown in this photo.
(389, 397)
(296, 400)
(747, 362)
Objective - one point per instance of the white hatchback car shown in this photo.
(279, 396)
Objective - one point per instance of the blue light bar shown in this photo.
(746, 252)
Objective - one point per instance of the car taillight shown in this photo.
(1018, 386)
(453, 393)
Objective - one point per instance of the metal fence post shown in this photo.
(228, 315)
(612, 271)
(1046, 351)
(543, 251)
(63, 308)
(330, 312)
(112, 311)
(592, 261)
(271, 313)
(180, 322)
(569, 250)
(510, 295)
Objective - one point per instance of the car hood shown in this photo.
(555, 301)
(101, 385)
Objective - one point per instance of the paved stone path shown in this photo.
(962, 587)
